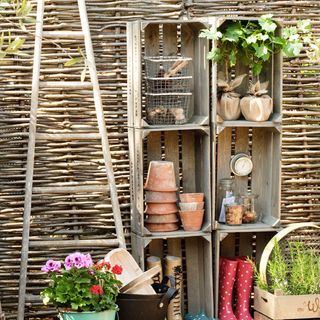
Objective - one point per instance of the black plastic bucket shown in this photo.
(147, 306)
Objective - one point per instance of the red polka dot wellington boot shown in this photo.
(227, 276)
(243, 289)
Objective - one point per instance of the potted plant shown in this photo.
(252, 43)
(82, 290)
(292, 288)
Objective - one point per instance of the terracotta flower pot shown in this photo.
(160, 197)
(163, 218)
(161, 208)
(161, 176)
(189, 206)
(191, 197)
(192, 220)
(161, 227)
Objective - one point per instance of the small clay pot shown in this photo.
(189, 206)
(161, 197)
(163, 218)
(161, 227)
(191, 220)
(161, 176)
(191, 197)
(161, 208)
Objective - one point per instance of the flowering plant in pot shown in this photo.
(81, 289)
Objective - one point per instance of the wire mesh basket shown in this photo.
(168, 74)
(168, 108)
(169, 85)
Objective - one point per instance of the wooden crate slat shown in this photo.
(154, 153)
(188, 161)
(241, 145)
(223, 159)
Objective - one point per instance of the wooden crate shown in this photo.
(237, 242)
(167, 38)
(197, 266)
(272, 72)
(264, 147)
(189, 150)
(279, 307)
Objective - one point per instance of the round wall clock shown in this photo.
(241, 164)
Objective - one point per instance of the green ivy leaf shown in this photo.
(73, 61)
(232, 58)
(210, 34)
(304, 25)
(292, 49)
(252, 39)
(267, 24)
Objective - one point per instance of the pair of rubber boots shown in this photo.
(236, 271)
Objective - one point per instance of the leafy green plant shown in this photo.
(78, 60)
(253, 42)
(298, 275)
(79, 285)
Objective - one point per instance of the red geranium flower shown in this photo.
(116, 269)
(102, 264)
(96, 289)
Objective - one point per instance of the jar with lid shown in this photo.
(234, 214)
(249, 212)
(226, 191)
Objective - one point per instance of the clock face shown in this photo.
(241, 165)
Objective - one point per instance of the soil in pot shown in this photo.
(161, 208)
(161, 176)
(257, 106)
(191, 220)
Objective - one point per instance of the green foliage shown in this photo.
(253, 42)
(298, 275)
(78, 60)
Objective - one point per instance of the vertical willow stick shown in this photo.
(30, 159)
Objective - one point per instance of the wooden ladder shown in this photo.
(33, 137)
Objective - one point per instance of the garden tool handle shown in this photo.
(171, 292)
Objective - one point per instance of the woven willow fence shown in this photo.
(90, 216)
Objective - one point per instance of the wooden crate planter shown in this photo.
(167, 38)
(271, 72)
(189, 150)
(263, 144)
(234, 242)
(280, 307)
(197, 265)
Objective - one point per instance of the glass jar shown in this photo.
(249, 212)
(226, 191)
(234, 213)
(226, 186)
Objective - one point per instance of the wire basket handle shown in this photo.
(279, 236)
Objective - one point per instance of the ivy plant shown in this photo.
(252, 42)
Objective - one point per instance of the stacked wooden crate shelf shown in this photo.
(262, 142)
(187, 145)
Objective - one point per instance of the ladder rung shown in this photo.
(75, 243)
(66, 85)
(71, 189)
(67, 136)
(63, 34)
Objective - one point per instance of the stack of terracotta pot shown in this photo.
(161, 208)
(191, 210)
